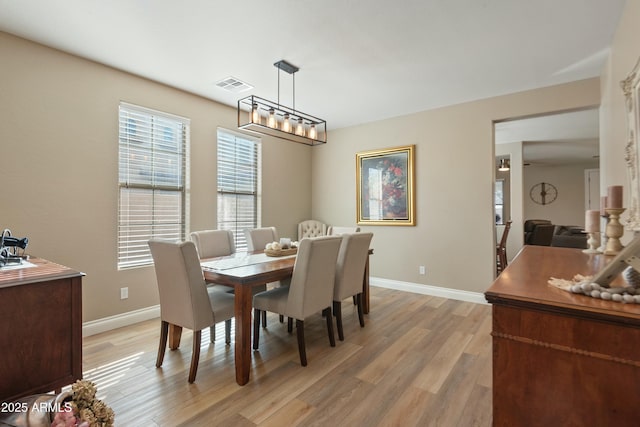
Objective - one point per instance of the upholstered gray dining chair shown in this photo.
(352, 259)
(311, 228)
(310, 290)
(257, 238)
(214, 243)
(211, 244)
(337, 231)
(185, 300)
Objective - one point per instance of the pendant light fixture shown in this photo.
(271, 118)
(504, 165)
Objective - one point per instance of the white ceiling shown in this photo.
(360, 60)
(565, 138)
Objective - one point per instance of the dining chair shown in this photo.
(211, 244)
(350, 267)
(185, 300)
(501, 249)
(311, 228)
(214, 243)
(336, 231)
(257, 238)
(310, 290)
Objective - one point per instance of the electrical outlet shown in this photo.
(124, 293)
(422, 270)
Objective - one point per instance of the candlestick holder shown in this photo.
(603, 236)
(614, 231)
(593, 242)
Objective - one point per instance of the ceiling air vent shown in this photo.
(233, 85)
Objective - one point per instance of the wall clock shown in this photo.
(543, 193)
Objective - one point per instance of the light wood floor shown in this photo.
(419, 361)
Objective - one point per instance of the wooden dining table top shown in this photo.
(268, 269)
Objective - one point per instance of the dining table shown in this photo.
(243, 271)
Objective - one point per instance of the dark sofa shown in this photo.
(569, 236)
(543, 232)
(538, 232)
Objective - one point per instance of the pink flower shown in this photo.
(64, 419)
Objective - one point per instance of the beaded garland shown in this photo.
(582, 285)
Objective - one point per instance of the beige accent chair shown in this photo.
(311, 228)
(257, 238)
(214, 243)
(337, 231)
(310, 290)
(185, 300)
(352, 259)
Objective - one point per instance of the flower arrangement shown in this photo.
(394, 192)
(82, 409)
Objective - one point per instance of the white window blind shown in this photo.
(238, 184)
(152, 170)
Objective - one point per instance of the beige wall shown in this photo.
(58, 131)
(454, 236)
(569, 180)
(625, 52)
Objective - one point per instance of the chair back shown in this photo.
(257, 238)
(183, 295)
(505, 234)
(311, 288)
(311, 228)
(352, 259)
(214, 243)
(338, 231)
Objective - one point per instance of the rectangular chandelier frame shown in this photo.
(260, 115)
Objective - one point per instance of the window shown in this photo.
(238, 184)
(152, 176)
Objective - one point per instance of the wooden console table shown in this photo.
(561, 359)
(40, 329)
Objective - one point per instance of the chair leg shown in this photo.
(337, 311)
(355, 302)
(195, 356)
(212, 333)
(332, 338)
(227, 331)
(301, 347)
(289, 324)
(264, 319)
(281, 318)
(256, 328)
(360, 309)
(164, 332)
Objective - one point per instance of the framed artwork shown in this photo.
(631, 88)
(385, 190)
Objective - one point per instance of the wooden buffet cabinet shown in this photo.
(561, 359)
(40, 329)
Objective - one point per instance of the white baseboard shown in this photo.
(119, 320)
(436, 291)
(125, 319)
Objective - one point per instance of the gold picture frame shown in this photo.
(385, 186)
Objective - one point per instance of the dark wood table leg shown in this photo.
(243, 305)
(365, 288)
(175, 333)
